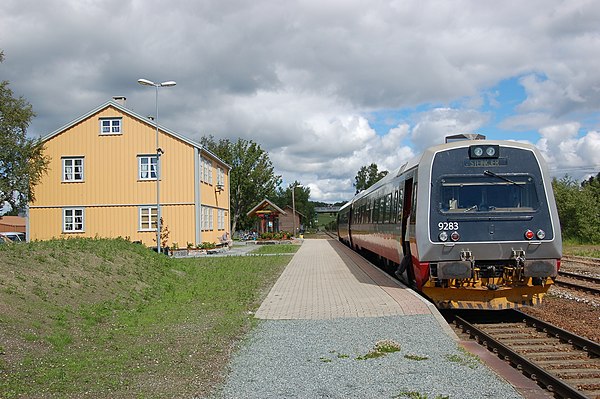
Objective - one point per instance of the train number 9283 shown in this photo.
(447, 226)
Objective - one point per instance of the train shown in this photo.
(471, 224)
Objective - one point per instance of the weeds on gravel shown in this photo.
(416, 357)
(382, 348)
(467, 359)
(418, 395)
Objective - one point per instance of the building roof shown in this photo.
(122, 108)
(266, 204)
(12, 221)
(292, 210)
(13, 224)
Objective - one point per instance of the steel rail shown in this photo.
(578, 287)
(549, 381)
(582, 260)
(567, 336)
(579, 276)
(594, 290)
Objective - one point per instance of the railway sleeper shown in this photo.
(567, 373)
(524, 341)
(555, 355)
(587, 362)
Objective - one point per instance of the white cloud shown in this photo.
(432, 127)
(298, 77)
(568, 153)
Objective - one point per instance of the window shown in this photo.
(206, 171)
(110, 126)
(221, 219)
(147, 167)
(148, 218)
(207, 221)
(475, 194)
(72, 169)
(73, 220)
(220, 177)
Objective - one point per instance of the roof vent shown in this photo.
(464, 136)
(121, 100)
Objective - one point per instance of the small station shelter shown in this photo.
(273, 219)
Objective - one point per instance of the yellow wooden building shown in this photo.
(101, 182)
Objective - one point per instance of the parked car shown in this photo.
(12, 236)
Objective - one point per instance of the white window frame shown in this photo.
(220, 177)
(73, 220)
(71, 169)
(145, 222)
(207, 175)
(204, 221)
(111, 126)
(150, 170)
(220, 219)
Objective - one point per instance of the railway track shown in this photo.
(563, 363)
(582, 260)
(579, 282)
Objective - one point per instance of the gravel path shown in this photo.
(318, 359)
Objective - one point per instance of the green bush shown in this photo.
(578, 209)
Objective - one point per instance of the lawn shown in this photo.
(276, 249)
(108, 318)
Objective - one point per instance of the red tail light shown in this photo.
(529, 235)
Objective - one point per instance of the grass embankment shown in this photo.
(107, 318)
(575, 249)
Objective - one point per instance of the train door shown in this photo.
(405, 271)
(406, 211)
(350, 224)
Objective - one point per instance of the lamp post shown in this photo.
(159, 152)
(294, 205)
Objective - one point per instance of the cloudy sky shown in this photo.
(325, 86)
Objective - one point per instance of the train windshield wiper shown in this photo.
(488, 173)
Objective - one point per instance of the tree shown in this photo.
(367, 176)
(252, 177)
(578, 209)
(22, 160)
(592, 184)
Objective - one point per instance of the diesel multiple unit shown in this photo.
(471, 224)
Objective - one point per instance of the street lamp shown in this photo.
(294, 205)
(159, 152)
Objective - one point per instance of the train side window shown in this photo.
(388, 209)
(376, 210)
(395, 208)
(413, 207)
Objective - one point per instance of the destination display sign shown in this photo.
(485, 163)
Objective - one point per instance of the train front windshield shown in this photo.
(489, 192)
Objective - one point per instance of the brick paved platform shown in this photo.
(327, 280)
